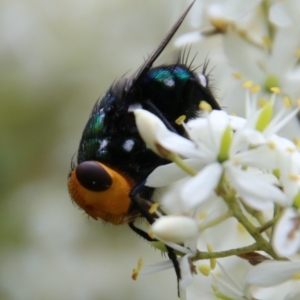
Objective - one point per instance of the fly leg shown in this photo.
(142, 205)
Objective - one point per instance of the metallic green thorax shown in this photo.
(111, 136)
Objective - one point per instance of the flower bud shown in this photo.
(150, 126)
(176, 229)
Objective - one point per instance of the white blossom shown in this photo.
(263, 281)
(175, 229)
(246, 153)
(286, 239)
(238, 177)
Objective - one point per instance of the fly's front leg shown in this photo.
(142, 205)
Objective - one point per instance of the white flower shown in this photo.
(241, 153)
(288, 159)
(272, 273)
(220, 150)
(232, 177)
(155, 134)
(286, 238)
(250, 48)
(175, 229)
(275, 69)
(225, 144)
(285, 13)
(213, 16)
(263, 281)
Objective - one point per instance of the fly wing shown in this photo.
(134, 80)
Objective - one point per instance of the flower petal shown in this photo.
(156, 135)
(170, 173)
(199, 188)
(186, 272)
(258, 193)
(262, 157)
(174, 229)
(270, 273)
(286, 239)
(279, 16)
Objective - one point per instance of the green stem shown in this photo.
(253, 231)
(228, 194)
(237, 251)
(259, 217)
(178, 161)
(268, 224)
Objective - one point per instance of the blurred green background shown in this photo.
(57, 58)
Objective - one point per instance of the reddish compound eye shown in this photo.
(102, 192)
(93, 176)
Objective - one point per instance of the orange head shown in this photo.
(101, 191)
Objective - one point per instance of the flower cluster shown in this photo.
(229, 168)
(258, 41)
(231, 196)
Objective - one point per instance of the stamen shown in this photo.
(262, 102)
(213, 261)
(287, 102)
(203, 105)
(237, 75)
(297, 142)
(294, 177)
(180, 119)
(135, 272)
(267, 41)
(204, 269)
(275, 90)
(255, 89)
(202, 216)
(296, 276)
(247, 84)
(153, 208)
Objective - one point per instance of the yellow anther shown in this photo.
(213, 261)
(204, 269)
(275, 90)
(294, 177)
(153, 208)
(237, 75)
(151, 234)
(296, 142)
(247, 84)
(272, 145)
(261, 102)
(219, 22)
(287, 102)
(298, 52)
(202, 216)
(135, 272)
(180, 119)
(291, 149)
(203, 105)
(209, 248)
(255, 89)
(296, 276)
(267, 41)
